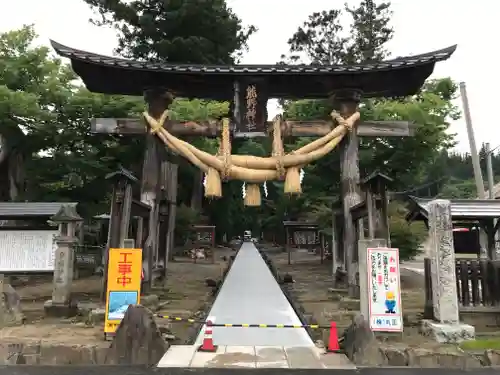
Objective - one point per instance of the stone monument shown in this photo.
(61, 305)
(446, 326)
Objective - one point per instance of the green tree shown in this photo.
(405, 237)
(322, 39)
(29, 85)
(177, 31)
(459, 189)
(48, 152)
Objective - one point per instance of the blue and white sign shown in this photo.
(384, 290)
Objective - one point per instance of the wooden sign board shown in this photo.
(27, 250)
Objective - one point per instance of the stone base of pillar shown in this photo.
(448, 333)
(60, 310)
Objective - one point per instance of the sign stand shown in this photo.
(123, 286)
(384, 290)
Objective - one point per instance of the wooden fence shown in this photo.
(478, 285)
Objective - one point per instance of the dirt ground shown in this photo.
(185, 294)
(312, 287)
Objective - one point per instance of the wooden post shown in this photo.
(163, 234)
(347, 102)
(370, 209)
(125, 217)
(172, 208)
(287, 245)
(3, 305)
(140, 232)
(158, 100)
(335, 247)
(375, 188)
(119, 219)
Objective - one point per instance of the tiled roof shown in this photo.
(397, 63)
(463, 208)
(110, 75)
(11, 210)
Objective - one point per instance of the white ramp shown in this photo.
(251, 295)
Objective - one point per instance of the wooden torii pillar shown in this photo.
(347, 102)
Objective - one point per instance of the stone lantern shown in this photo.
(68, 220)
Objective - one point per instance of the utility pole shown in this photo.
(472, 142)
(491, 193)
(478, 176)
(489, 170)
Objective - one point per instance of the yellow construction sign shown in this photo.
(124, 285)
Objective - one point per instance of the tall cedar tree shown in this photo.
(175, 31)
(183, 32)
(323, 41)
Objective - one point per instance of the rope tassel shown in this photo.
(252, 195)
(253, 170)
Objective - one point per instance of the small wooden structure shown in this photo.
(478, 280)
(479, 212)
(204, 238)
(373, 207)
(304, 235)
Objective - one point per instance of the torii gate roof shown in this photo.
(398, 77)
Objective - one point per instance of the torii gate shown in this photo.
(249, 87)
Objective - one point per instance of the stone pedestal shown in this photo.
(446, 327)
(61, 304)
(448, 333)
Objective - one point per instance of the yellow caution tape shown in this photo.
(242, 325)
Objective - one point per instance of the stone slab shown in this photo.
(178, 356)
(262, 357)
(205, 359)
(336, 361)
(302, 357)
(271, 357)
(448, 333)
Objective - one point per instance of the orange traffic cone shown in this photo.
(208, 342)
(333, 339)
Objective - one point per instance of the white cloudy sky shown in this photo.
(420, 26)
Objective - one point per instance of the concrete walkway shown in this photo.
(251, 295)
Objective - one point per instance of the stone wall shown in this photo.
(36, 353)
(449, 357)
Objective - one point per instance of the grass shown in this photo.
(481, 344)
